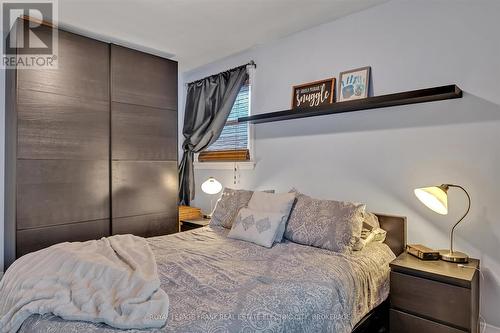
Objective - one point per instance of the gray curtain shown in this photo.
(208, 104)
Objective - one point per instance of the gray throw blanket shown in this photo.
(113, 280)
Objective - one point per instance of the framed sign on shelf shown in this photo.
(313, 94)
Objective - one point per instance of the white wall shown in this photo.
(2, 160)
(379, 156)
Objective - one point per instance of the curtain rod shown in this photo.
(250, 63)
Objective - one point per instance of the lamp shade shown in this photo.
(434, 197)
(211, 186)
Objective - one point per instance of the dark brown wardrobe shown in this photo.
(91, 147)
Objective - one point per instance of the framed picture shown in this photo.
(313, 94)
(354, 84)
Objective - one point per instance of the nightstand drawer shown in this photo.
(431, 299)
(401, 322)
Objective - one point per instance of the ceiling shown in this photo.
(197, 32)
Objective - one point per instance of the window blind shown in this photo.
(232, 144)
(234, 136)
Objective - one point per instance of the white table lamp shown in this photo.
(436, 199)
(211, 186)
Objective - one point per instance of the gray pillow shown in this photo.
(327, 224)
(228, 205)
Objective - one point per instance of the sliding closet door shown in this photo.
(144, 143)
(62, 164)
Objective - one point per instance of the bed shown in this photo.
(216, 284)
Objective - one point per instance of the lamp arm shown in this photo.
(466, 212)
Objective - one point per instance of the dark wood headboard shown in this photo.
(396, 231)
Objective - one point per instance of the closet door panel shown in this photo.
(143, 133)
(144, 143)
(61, 167)
(143, 79)
(52, 126)
(35, 239)
(147, 225)
(52, 192)
(144, 187)
(83, 70)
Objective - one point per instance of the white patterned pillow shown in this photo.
(274, 203)
(256, 226)
(328, 224)
(228, 205)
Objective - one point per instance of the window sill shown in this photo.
(245, 165)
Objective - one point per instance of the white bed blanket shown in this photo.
(113, 280)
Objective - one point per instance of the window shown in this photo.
(233, 143)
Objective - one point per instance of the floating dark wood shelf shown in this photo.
(402, 98)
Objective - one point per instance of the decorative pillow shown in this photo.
(328, 224)
(371, 220)
(370, 232)
(228, 205)
(377, 235)
(275, 203)
(256, 226)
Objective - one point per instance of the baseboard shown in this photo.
(491, 329)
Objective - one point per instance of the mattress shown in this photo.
(217, 284)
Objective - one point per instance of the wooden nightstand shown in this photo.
(433, 296)
(190, 224)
